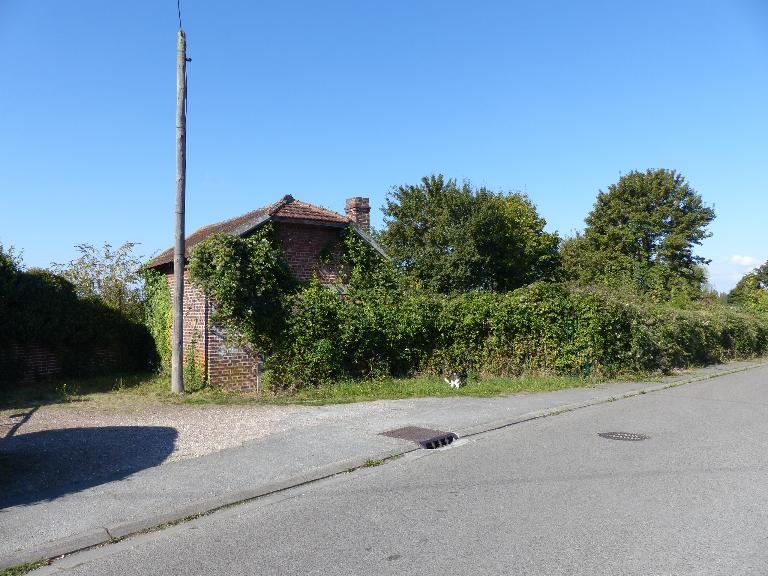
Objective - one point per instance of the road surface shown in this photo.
(545, 497)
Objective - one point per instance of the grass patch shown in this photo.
(24, 568)
(75, 390)
(134, 390)
(372, 463)
(129, 390)
(393, 389)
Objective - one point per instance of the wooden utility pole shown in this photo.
(177, 343)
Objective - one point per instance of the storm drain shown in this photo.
(425, 437)
(628, 436)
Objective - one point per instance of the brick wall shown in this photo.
(33, 361)
(232, 367)
(224, 365)
(229, 366)
(195, 322)
(304, 246)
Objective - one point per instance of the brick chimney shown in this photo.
(359, 210)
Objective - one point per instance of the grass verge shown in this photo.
(130, 390)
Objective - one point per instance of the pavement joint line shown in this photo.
(134, 528)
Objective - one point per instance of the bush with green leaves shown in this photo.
(541, 328)
(108, 275)
(39, 307)
(379, 322)
(308, 353)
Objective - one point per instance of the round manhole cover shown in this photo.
(630, 436)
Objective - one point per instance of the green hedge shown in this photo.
(38, 307)
(380, 325)
(541, 328)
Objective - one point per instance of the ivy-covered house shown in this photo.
(310, 238)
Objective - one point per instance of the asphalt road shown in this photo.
(546, 497)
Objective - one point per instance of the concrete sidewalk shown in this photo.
(321, 442)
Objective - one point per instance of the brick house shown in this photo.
(306, 232)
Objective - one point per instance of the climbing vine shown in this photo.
(158, 315)
(249, 282)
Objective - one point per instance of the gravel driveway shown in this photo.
(59, 449)
(200, 429)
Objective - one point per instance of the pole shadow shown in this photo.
(46, 465)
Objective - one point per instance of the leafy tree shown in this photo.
(761, 275)
(111, 276)
(11, 261)
(752, 290)
(452, 237)
(651, 217)
(642, 233)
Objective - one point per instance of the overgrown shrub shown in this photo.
(111, 276)
(378, 323)
(308, 351)
(542, 328)
(39, 307)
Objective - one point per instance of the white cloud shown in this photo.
(744, 260)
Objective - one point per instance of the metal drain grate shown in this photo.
(439, 441)
(425, 437)
(628, 436)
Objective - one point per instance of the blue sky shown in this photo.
(326, 100)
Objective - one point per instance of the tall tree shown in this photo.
(643, 231)
(452, 237)
(651, 217)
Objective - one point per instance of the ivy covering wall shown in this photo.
(159, 316)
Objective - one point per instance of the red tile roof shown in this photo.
(285, 209)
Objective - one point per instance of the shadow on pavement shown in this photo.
(49, 464)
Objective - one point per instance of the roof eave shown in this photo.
(368, 239)
(251, 225)
(257, 222)
(308, 222)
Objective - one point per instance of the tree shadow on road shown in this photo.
(50, 464)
